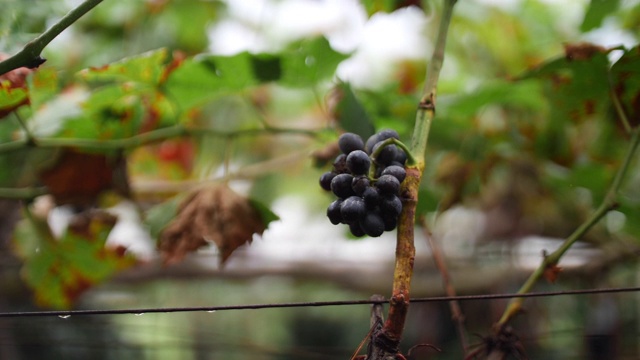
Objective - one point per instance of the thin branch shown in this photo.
(29, 56)
(439, 260)
(21, 193)
(146, 138)
(608, 203)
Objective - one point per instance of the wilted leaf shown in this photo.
(59, 271)
(213, 214)
(79, 178)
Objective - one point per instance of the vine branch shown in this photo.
(30, 56)
(385, 343)
(608, 203)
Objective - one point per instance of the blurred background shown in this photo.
(524, 147)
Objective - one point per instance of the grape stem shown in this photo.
(411, 160)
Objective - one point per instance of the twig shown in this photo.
(145, 138)
(29, 56)
(608, 203)
(438, 258)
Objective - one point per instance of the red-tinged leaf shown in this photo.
(215, 214)
(79, 178)
(59, 271)
(147, 68)
(13, 89)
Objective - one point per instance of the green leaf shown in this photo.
(350, 113)
(625, 76)
(204, 78)
(306, 63)
(596, 12)
(144, 68)
(43, 86)
(265, 212)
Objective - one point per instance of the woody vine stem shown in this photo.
(386, 342)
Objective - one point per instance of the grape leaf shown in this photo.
(307, 62)
(79, 178)
(217, 214)
(145, 68)
(59, 271)
(625, 76)
(596, 12)
(350, 113)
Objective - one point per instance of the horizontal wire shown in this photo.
(66, 313)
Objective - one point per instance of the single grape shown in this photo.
(333, 212)
(349, 142)
(387, 155)
(356, 229)
(340, 164)
(391, 205)
(358, 162)
(341, 185)
(386, 184)
(359, 184)
(401, 157)
(388, 134)
(372, 224)
(371, 142)
(390, 222)
(396, 171)
(325, 180)
(371, 197)
(352, 209)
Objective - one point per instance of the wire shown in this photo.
(68, 313)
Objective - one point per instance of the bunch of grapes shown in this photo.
(367, 188)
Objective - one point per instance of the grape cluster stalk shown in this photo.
(366, 178)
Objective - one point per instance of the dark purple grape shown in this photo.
(371, 197)
(352, 209)
(390, 205)
(333, 212)
(359, 184)
(388, 134)
(401, 157)
(372, 224)
(340, 164)
(349, 142)
(396, 171)
(386, 184)
(371, 142)
(341, 185)
(358, 162)
(387, 155)
(390, 222)
(356, 230)
(325, 180)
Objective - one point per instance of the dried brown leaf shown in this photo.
(215, 213)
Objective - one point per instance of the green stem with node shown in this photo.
(411, 160)
(386, 342)
(608, 203)
(29, 56)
